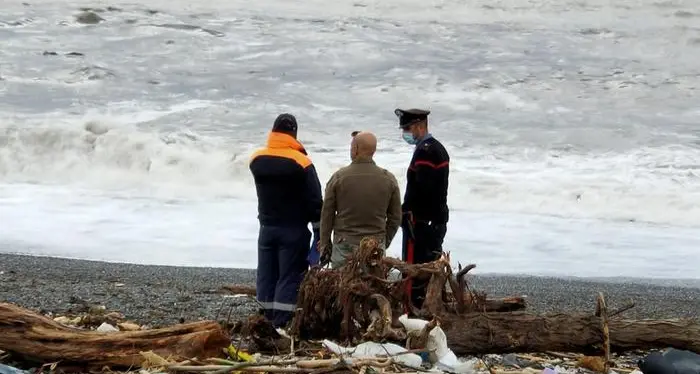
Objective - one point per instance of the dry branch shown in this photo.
(34, 337)
(238, 289)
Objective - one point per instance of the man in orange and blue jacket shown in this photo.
(289, 198)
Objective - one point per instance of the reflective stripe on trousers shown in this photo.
(277, 306)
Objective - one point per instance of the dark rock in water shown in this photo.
(113, 9)
(153, 81)
(92, 73)
(684, 14)
(189, 28)
(88, 18)
(74, 54)
(88, 9)
(594, 31)
(672, 361)
(21, 22)
(96, 128)
(50, 53)
(178, 27)
(169, 42)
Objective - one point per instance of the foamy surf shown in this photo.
(184, 164)
(571, 131)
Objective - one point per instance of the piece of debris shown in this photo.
(88, 18)
(106, 327)
(128, 326)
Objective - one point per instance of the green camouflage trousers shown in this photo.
(341, 251)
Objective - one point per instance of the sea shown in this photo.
(573, 126)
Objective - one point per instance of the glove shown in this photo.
(314, 254)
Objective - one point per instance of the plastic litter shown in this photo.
(443, 357)
(5, 369)
(373, 350)
(106, 327)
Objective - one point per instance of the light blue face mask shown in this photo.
(409, 138)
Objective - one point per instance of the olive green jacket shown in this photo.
(360, 200)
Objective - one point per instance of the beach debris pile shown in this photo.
(96, 317)
(373, 357)
(363, 300)
(352, 319)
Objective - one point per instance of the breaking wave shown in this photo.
(119, 157)
(658, 185)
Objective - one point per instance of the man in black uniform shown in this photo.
(425, 212)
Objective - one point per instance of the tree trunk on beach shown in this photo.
(36, 338)
(477, 333)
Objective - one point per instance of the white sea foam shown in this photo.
(572, 126)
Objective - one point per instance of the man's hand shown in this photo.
(325, 254)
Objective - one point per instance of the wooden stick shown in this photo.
(563, 355)
(229, 368)
(623, 309)
(523, 371)
(602, 306)
(315, 364)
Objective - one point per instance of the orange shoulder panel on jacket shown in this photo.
(288, 153)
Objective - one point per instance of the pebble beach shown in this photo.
(163, 295)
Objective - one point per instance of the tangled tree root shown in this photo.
(358, 301)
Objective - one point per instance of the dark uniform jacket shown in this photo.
(361, 199)
(426, 187)
(289, 192)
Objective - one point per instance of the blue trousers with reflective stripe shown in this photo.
(282, 252)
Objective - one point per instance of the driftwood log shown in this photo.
(522, 332)
(36, 338)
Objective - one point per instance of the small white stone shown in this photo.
(106, 327)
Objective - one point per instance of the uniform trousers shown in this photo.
(282, 264)
(424, 246)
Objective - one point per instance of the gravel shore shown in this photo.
(162, 295)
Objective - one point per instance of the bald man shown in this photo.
(361, 200)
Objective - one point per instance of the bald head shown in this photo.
(364, 144)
